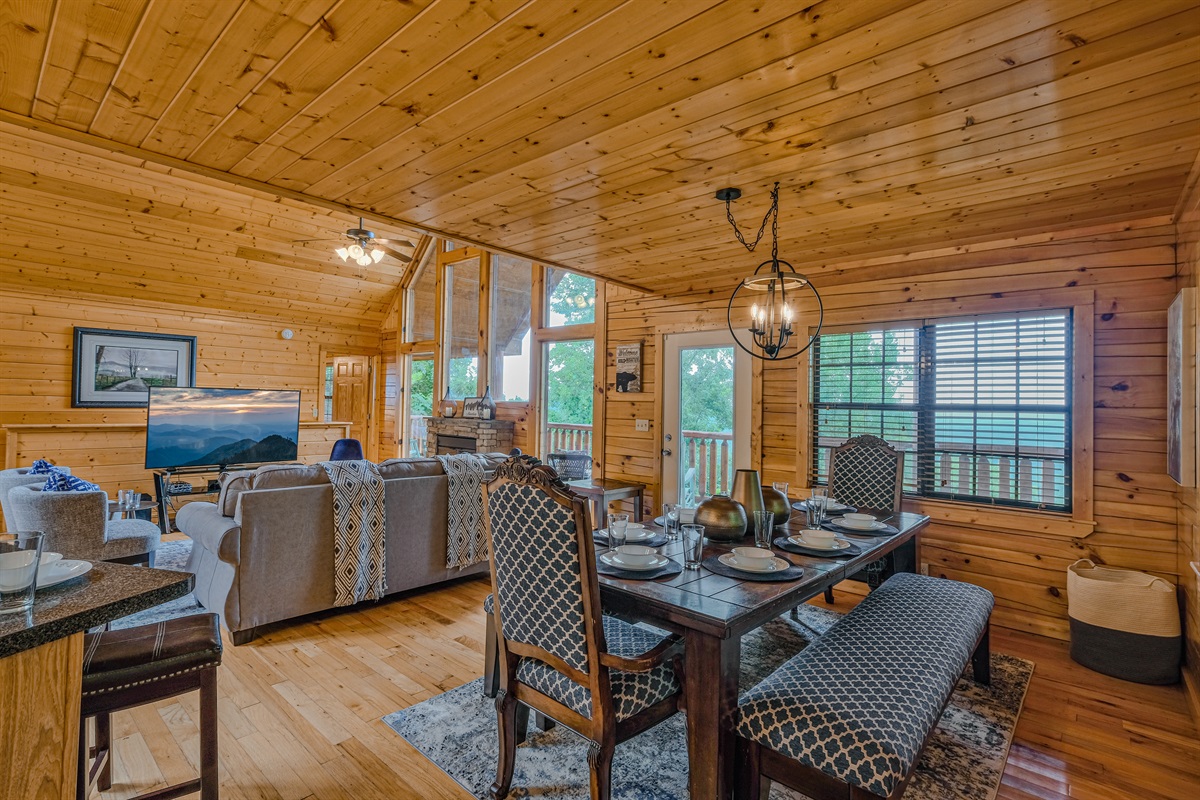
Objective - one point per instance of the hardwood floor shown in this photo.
(300, 714)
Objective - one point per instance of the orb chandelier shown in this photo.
(776, 292)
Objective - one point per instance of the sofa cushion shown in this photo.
(59, 481)
(286, 476)
(233, 484)
(410, 468)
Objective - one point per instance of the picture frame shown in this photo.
(629, 368)
(1181, 388)
(114, 369)
(472, 408)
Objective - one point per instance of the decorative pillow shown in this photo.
(285, 476)
(232, 484)
(42, 467)
(59, 481)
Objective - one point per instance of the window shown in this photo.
(569, 392)
(510, 349)
(329, 392)
(981, 405)
(462, 327)
(422, 296)
(570, 298)
(419, 388)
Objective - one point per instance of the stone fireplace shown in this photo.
(459, 435)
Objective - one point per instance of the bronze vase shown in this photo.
(777, 503)
(724, 519)
(747, 490)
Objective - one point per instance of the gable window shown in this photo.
(980, 405)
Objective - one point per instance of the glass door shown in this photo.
(418, 402)
(568, 373)
(706, 415)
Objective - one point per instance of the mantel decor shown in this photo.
(115, 369)
(771, 322)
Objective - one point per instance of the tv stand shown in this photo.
(167, 487)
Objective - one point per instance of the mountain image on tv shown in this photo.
(220, 427)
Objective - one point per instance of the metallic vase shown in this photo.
(777, 503)
(724, 520)
(747, 490)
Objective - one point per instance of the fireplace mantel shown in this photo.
(490, 435)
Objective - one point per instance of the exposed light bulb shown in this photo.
(754, 312)
(377, 254)
(787, 313)
(342, 252)
(356, 251)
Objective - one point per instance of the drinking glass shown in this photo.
(129, 498)
(781, 486)
(816, 506)
(671, 520)
(618, 526)
(693, 545)
(20, 554)
(764, 521)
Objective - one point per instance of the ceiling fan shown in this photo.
(362, 246)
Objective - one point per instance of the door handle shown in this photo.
(666, 452)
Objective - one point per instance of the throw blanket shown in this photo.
(358, 554)
(466, 543)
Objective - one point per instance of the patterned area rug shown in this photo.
(172, 556)
(963, 761)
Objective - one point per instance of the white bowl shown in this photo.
(687, 516)
(860, 521)
(751, 556)
(636, 554)
(49, 558)
(814, 537)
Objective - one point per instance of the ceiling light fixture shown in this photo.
(773, 314)
(363, 252)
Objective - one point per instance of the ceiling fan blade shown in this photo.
(396, 254)
(395, 242)
(322, 239)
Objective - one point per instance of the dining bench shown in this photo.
(848, 716)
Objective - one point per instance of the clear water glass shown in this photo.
(671, 520)
(618, 528)
(780, 486)
(764, 521)
(130, 498)
(693, 545)
(20, 554)
(816, 506)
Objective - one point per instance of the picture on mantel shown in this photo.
(629, 367)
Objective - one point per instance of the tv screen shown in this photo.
(220, 427)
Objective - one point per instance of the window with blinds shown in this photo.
(981, 405)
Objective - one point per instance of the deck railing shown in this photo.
(707, 463)
(562, 436)
(417, 429)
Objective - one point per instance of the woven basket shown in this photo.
(1124, 623)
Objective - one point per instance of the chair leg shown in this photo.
(748, 782)
(522, 723)
(829, 595)
(981, 659)
(506, 718)
(83, 787)
(600, 758)
(209, 782)
(104, 750)
(491, 659)
(542, 722)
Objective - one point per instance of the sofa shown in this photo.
(264, 551)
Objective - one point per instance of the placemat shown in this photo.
(673, 568)
(657, 540)
(712, 564)
(887, 530)
(802, 505)
(783, 544)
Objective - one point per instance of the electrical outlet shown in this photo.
(641, 425)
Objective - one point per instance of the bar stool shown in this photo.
(127, 668)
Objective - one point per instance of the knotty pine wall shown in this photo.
(1022, 557)
(1188, 232)
(234, 349)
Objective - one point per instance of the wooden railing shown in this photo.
(561, 436)
(707, 462)
(417, 428)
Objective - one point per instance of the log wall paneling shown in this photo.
(1021, 557)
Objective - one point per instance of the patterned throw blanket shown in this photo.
(466, 542)
(358, 554)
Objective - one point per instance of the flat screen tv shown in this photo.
(220, 427)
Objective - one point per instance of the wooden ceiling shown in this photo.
(594, 133)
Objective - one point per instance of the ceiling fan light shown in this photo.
(377, 254)
(355, 251)
(364, 260)
(342, 252)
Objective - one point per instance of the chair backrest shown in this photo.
(866, 471)
(347, 450)
(571, 465)
(543, 569)
(10, 478)
(73, 522)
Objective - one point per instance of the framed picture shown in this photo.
(115, 369)
(1181, 388)
(473, 407)
(629, 367)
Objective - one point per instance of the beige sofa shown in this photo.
(264, 552)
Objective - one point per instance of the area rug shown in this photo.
(964, 759)
(172, 556)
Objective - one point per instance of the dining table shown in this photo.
(714, 611)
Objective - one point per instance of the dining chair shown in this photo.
(571, 465)
(605, 679)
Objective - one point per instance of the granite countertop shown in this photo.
(105, 593)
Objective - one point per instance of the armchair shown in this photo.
(76, 524)
(21, 476)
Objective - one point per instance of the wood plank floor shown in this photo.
(300, 714)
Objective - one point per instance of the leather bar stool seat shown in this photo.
(127, 668)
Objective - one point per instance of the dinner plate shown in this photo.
(875, 526)
(632, 534)
(730, 560)
(56, 572)
(839, 544)
(614, 560)
(831, 506)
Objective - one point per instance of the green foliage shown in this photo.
(568, 376)
(421, 388)
(573, 297)
(706, 389)
(464, 374)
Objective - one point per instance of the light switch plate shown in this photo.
(641, 425)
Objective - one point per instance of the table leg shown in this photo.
(637, 506)
(601, 512)
(711, 668)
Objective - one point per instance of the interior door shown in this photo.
(706, 414)
(352, 394)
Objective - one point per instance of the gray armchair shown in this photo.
(17, 477)
(76, 524)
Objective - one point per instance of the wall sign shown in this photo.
(629, 367)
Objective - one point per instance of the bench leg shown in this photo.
(491, 659)
(981, 659)
(829, 595)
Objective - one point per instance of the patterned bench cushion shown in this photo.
(632, 691)
(858, 703)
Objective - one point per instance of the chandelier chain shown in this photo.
(772, 214)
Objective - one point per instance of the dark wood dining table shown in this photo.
(714, 612)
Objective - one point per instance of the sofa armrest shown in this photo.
(204, 525)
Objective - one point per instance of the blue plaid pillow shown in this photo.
(59, 481)
(42, 467)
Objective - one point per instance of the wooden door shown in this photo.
(352, 394)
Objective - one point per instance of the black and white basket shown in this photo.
(1124, 623)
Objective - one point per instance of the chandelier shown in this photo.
(363, 250)
(775, 292)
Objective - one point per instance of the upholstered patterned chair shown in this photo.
(601, 677)
(10, 478)
(76, 524)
